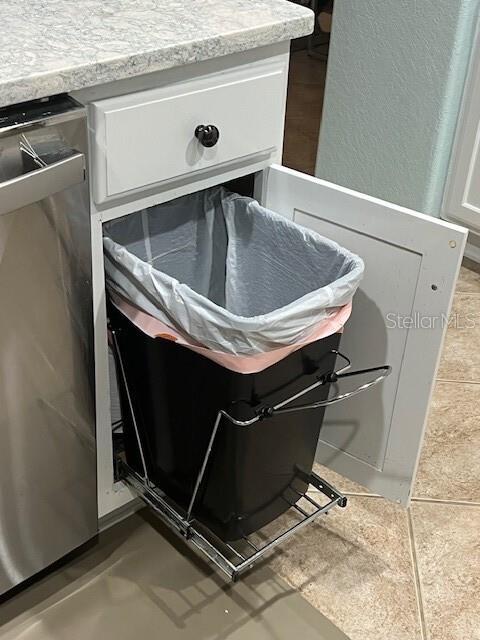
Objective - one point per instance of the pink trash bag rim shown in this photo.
(239, 363)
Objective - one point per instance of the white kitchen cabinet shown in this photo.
(412, 261)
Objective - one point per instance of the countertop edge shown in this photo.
(81, 77)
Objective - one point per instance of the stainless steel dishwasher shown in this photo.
(48, 503)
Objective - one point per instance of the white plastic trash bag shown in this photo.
(227, 274)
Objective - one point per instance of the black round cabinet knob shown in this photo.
(207, 134)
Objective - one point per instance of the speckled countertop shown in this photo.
(56, 46)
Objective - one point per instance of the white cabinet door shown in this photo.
(399, 318)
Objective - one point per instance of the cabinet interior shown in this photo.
(245, 186)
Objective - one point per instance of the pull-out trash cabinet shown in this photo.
(226, 276)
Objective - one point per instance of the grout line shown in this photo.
(457, 381)
(459, 503)
(416, 576)
(467, 293)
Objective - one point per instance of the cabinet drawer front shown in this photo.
(149, 137)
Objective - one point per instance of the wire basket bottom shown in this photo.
(235, 558)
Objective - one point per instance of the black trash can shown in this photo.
(254, 473)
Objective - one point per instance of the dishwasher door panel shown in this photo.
(48, 501)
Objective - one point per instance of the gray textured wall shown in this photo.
(395, 77)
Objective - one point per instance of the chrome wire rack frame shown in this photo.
(235, 558)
